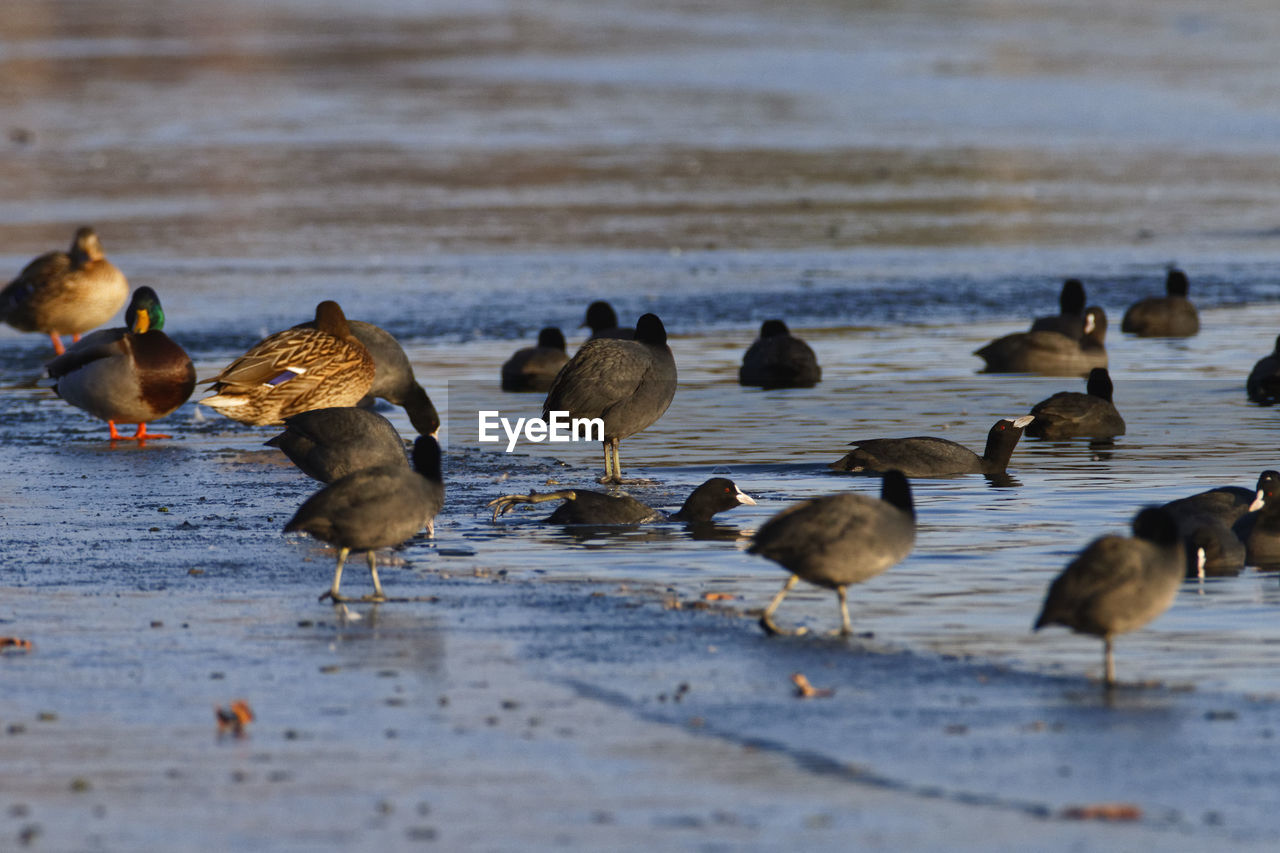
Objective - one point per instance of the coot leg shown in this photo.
(766, 618)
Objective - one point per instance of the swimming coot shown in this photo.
(65, 293)
(1119, 583)
(1168, 316)
(131, 375)
(603, 322)
(1263, 384)
(1230, 506)
(1050, 353)
(586, 507)
(535, 368)
(1070, 317)
(1213, 550)
(925, 456)
(1070, 414)
(1262, 543)
(375, 508)
(298, 369)
(838, 540)
(328, 444)
(627, 384)
(779, 360)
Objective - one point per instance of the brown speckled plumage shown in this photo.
(65, 293)
(295, 371)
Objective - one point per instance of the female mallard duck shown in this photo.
(299, 369)
(127, 375)
(65, 293)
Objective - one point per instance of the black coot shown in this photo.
(602, 320)
(586, 507)
(1213, 550)
(779, 360)
(627, 384)
(328, 444)
(1119, 583)
(838, 540)
(1263, 384)
(1070, 414)
(535, 368)
(375, 508)
(1070, 317)
(1050, 353)
(1230, 506)
(1168, 316)
(925, 456)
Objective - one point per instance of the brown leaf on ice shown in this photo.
(234, 718)
(805, 690)
(15, 643)
(718, 596)
(1103, 811)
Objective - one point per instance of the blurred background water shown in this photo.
(900, 181)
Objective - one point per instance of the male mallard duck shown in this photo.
(65, 293)
(127, 375)
(299, 369)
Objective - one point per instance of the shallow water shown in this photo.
(901, 182)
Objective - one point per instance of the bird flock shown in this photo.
(318, 379)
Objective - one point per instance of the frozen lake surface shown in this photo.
(901, 182)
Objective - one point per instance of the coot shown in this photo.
(1168, 316)
(586, 507)
(777, 359)
(1119, 583)
(1263, 384)
(1070, 317)
(1050, 353)
(1068, 414)
(375, 508)
(603, 322)
(838, 540)
(328, 444)
(627, 384)
(925, 456)
(535, 368)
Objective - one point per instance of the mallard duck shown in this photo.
(127, 375)
(375, 508)
(65, 293)
(293, 371)
(393, 378)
